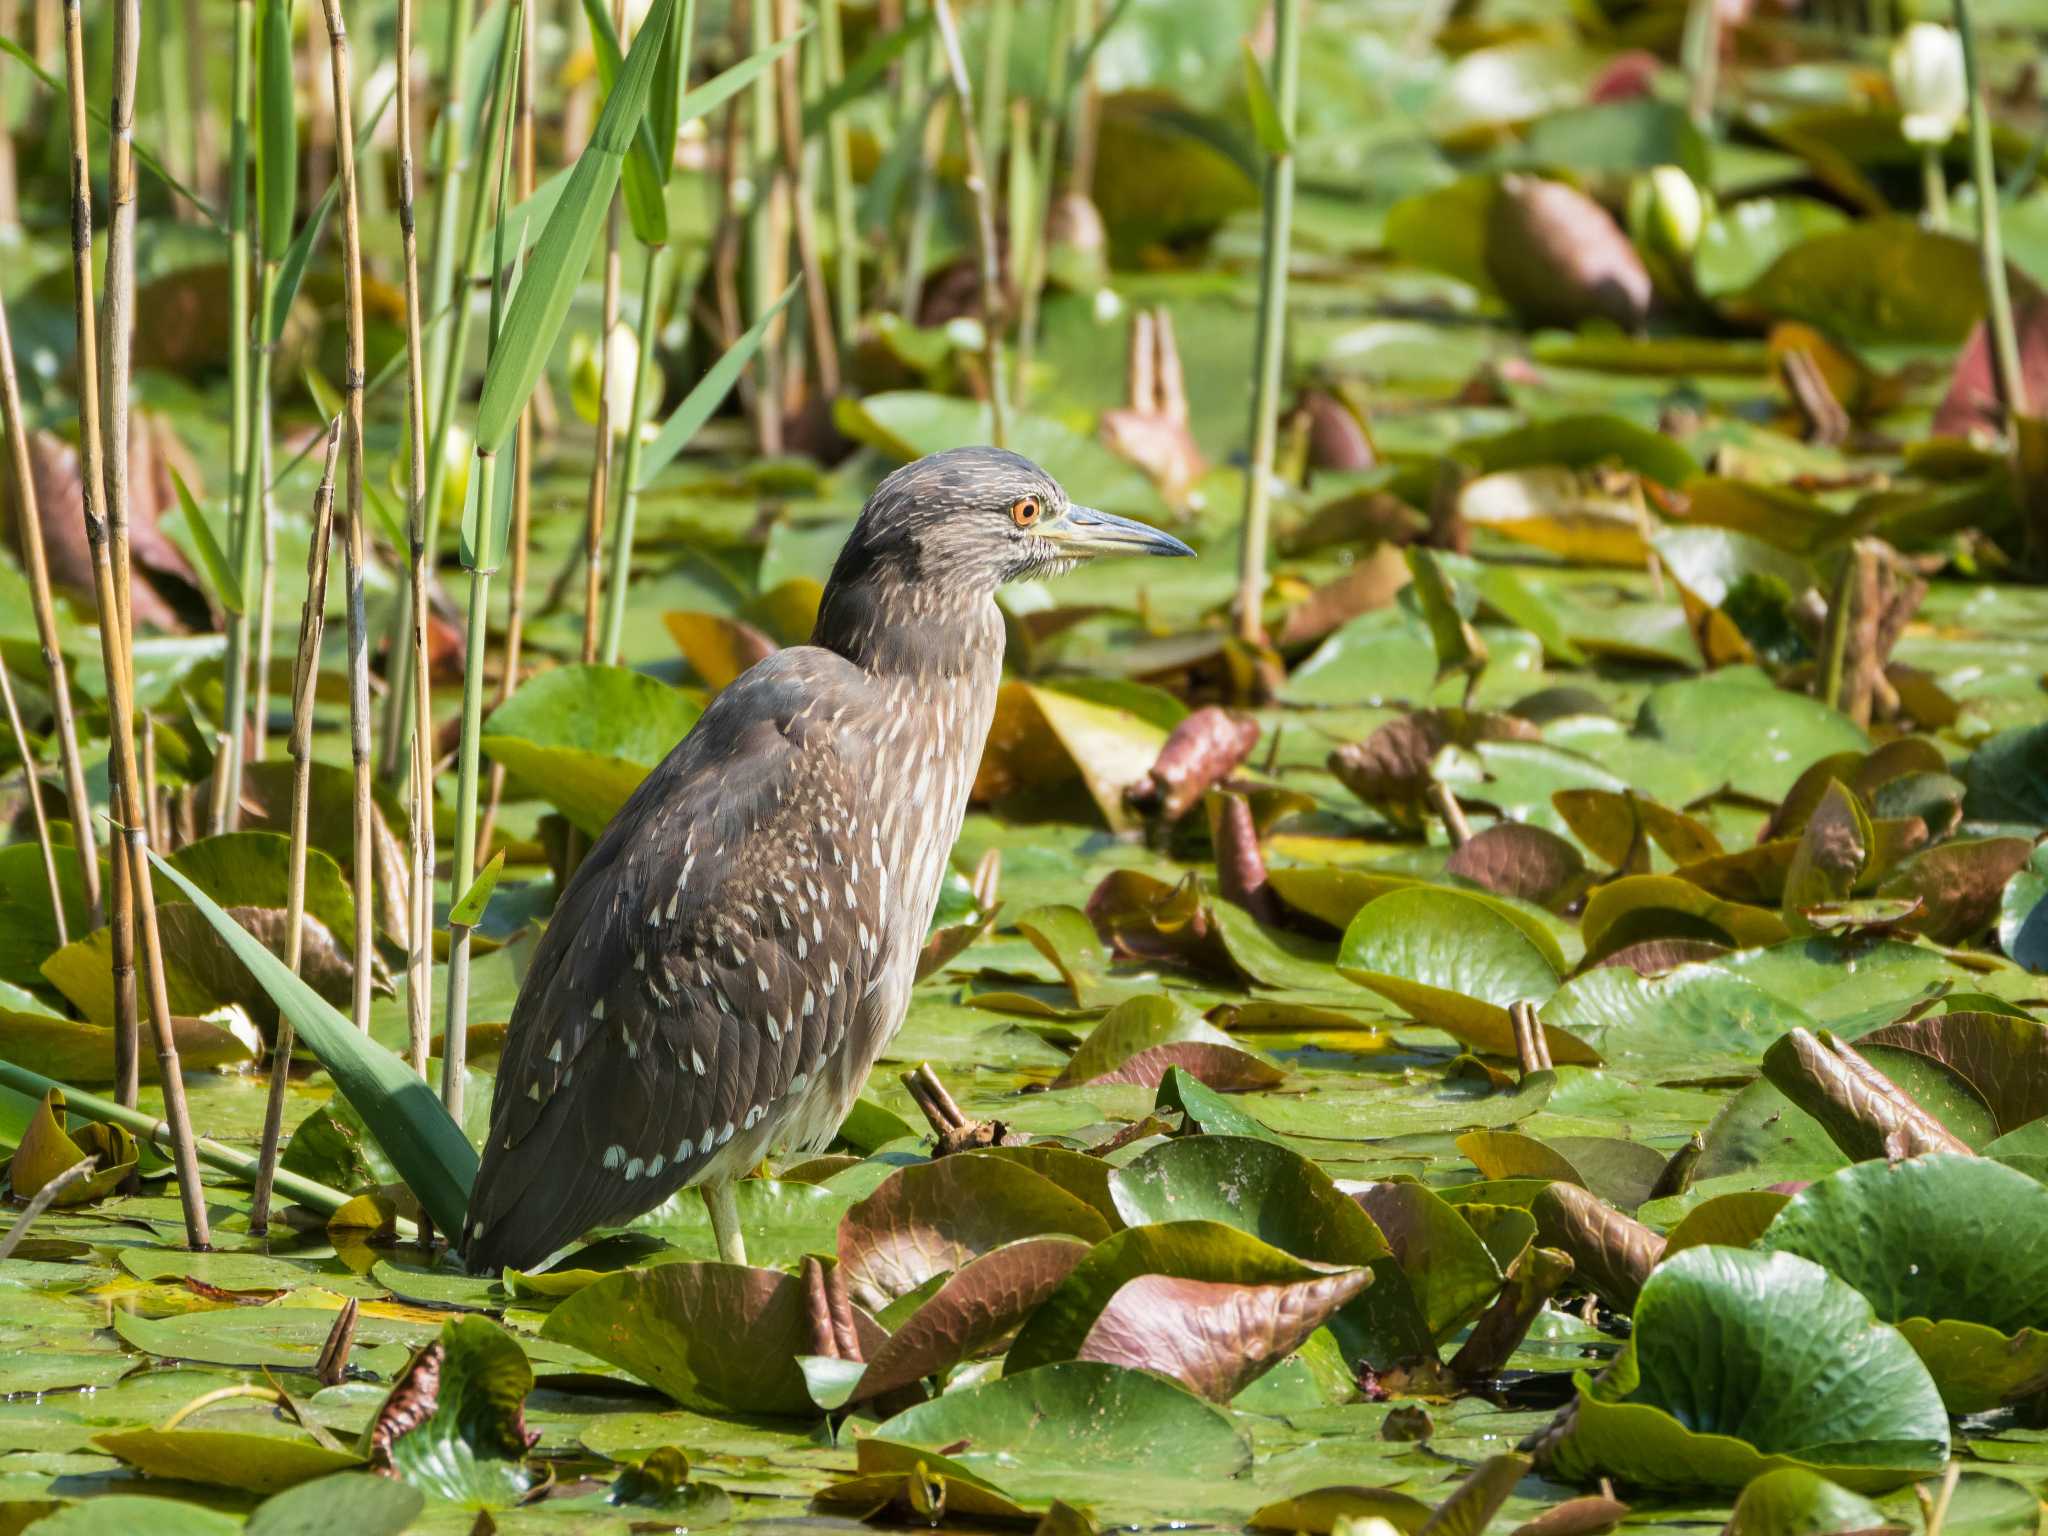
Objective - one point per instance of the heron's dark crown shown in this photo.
(933, 543)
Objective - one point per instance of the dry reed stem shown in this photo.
(364, 872)
(312, 628)
(135, 891)
(43, 601)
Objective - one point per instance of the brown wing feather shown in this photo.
(702, 967)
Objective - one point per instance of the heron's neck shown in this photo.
(894, 629)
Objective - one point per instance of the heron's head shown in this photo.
(966, 521)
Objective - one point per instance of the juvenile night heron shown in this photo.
(738, 947)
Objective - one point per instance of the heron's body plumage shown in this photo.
(738, 947)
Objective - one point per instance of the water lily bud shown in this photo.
(1928, 79)
(586, 368)
(458, 452)
(1677, 211)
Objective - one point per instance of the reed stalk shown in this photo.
(163, 1135)
(277, 163)
(117, 316)
(305, 674)
(765, 255)
(598, 497)
(999, 22)
(1272, 329)
(1031, 282)
(363, 872)
(982, 192)
(227, 764)
(84, 841)
(448, 346)
(839, 177)
(629, 466)
(797, 193)
(34, 785)
(134, 893)
(419, 939)
(483, 556)
(522, 448)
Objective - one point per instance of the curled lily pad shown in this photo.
(1042, 735)
(466, 1442)
(1214, 1337)
(2005, 1059)
(1741, 1363)
(1455, 964)
(1192, 1250)
(1135, 1026)
(715, 1337)
(1953, 1250)
(1321, 1510)
(1449, 1267)
(977, 1306)
(932, 1217)
(46, 1150)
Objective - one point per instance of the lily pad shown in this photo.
(1954, 1250)
(1454, 964)
(1742, 1363)
(583, 737)
(715, 1337)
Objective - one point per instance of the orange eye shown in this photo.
(1024, 511)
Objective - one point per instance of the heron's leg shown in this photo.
(724, 1206)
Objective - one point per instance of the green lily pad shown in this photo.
(1795, 1502)
(715, 1337)
(471, 1450)
(583, 737)
(342, 1504)
(1954, 1250)
(1688, 1018)
(227, 1458)
(1454, 964)
(1077, 1416)
(1266, 1190)
(1742, 1363)
(121, 1514)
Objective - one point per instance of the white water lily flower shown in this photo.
(1928, 79)
(584, 366)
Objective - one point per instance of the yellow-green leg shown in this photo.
(724, 1206)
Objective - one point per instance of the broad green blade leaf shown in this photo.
(646, 172)
(403, 1113)
(1258, 99)
(469, 911)
(149, 162)
(220, 572)
(861, 76)
(519, 226)
(563, 252)
(277, 132)
(671, 78)
(708, 393)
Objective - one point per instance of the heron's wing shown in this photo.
(701, 969)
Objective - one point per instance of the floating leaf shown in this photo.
(715, 1337)
(1721, 1381)
(585, 736)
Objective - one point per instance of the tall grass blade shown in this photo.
(426, 1146)
(645, 175)
(227, 586)
(563, 251)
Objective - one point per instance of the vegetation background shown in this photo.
(1508, 995)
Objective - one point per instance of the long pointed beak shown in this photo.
(1085, 531)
